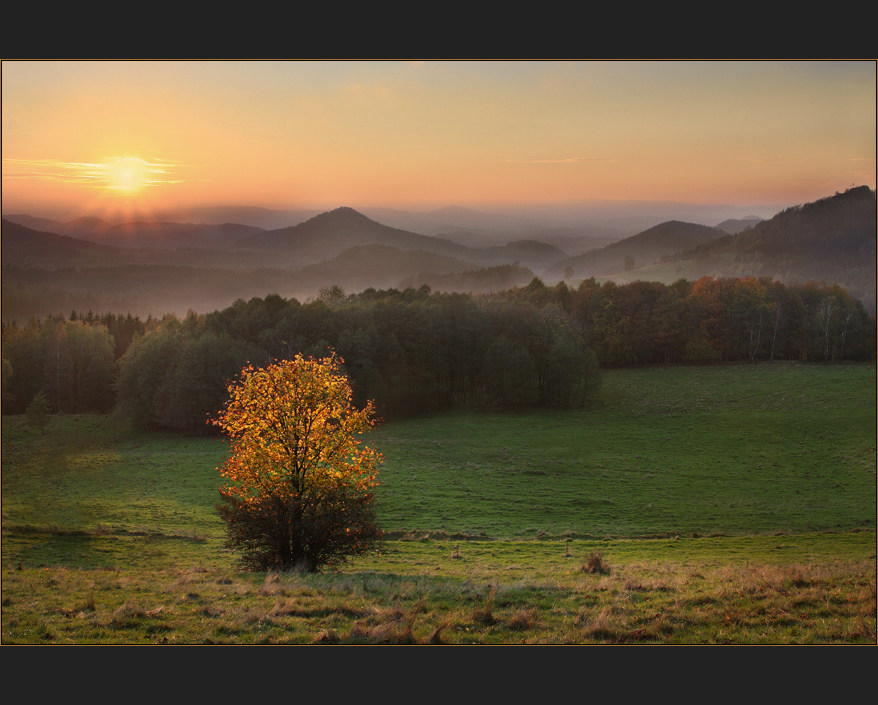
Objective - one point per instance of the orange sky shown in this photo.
(105, 136)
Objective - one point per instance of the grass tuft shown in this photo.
(523, 619)
(484, 614)
(595, 564)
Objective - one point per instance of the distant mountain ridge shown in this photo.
(167, 236)
(643, 248)
(24, 246)
(733, 226)
(262, 218)
(142, 234)
(45, 225)
(832, 240)
(321, 239)
(327, 235)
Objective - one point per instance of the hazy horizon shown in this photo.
(595, 211)
(124, 140)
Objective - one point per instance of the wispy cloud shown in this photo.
(105, 173)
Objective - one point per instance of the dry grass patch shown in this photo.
(484, 614)
(392, 626)
(388, 626)
(523, 619)
(595, 564)
(603, 624)
(681, 599)
(647, 585)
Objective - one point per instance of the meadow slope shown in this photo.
(728, 503)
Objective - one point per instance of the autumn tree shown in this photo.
(299, 479)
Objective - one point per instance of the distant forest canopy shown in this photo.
(417, 351)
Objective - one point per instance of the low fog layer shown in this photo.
(165, 266)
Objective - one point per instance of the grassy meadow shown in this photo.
(719, 504)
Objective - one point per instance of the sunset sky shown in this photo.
(105, 136)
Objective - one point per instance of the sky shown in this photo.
(102, 137)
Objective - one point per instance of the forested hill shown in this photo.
(842, 225)
(327, 235)
(23, 246)
(642, 248)
(831, 240)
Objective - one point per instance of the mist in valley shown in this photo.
(158, 267)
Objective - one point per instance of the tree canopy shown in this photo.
(299, 479)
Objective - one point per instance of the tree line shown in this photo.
(72, 362)
(415, 351)
(712, 320)
(410, 351)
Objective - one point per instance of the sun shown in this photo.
(128, 175)
(123, 184)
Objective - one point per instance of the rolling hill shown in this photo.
(23, 247)
(643, 248)
(376, 266)
(733, 226)
(151, 235)
(327, 235)
(831, 240)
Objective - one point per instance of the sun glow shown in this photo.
(121, 187)
(113, 185)
(432, 134)
(126, 175)
(131, 174)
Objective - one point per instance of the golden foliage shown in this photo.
(294, 431)
(299, 479)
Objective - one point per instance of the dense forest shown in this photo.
(416, 351)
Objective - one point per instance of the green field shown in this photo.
(706, 489)
(737, 450)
